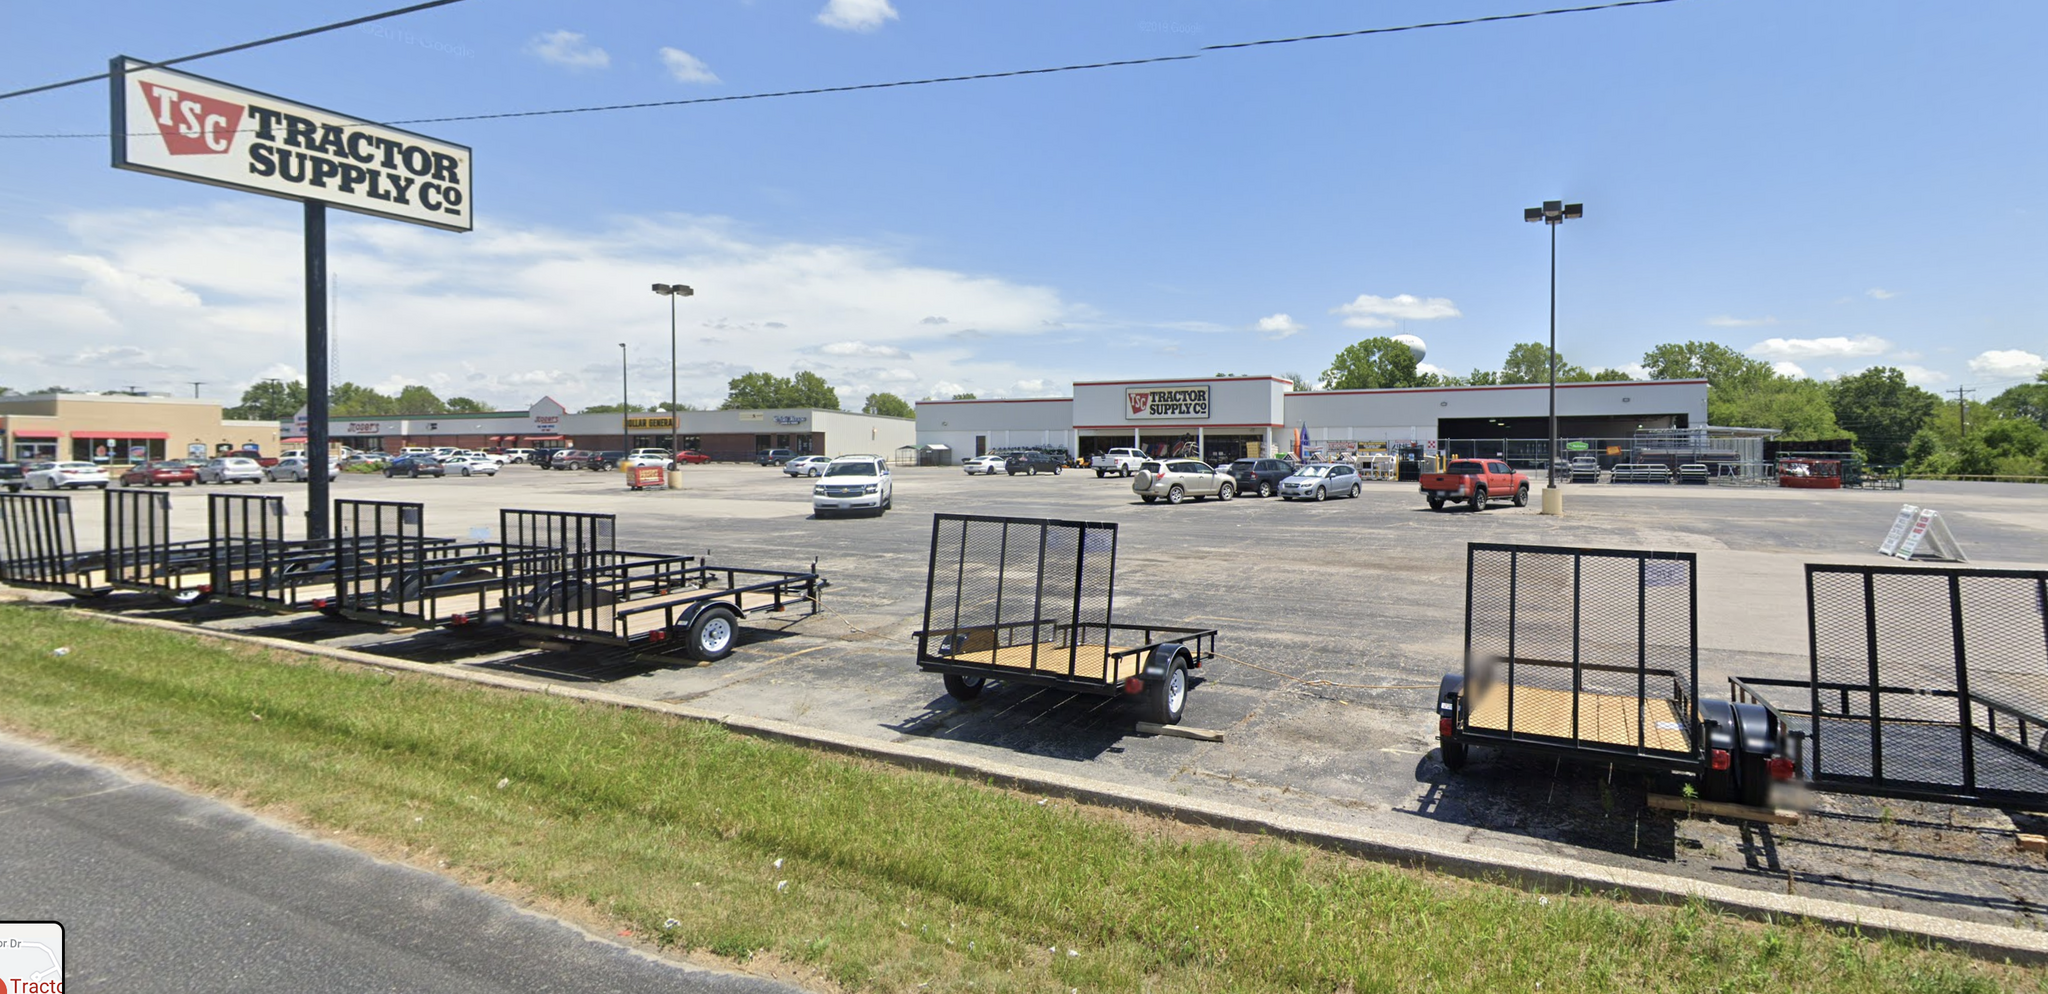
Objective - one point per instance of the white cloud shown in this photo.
(1792, 369)
(1725, 321)
(568, 49)
(1279, 326)
(856, 15)
(1820, 348)
(1921, 376)
(1879, 293)
(1369, 311)
(931, 319)
(865, 350)
(686, 68)
(1635, 370)
(1426, 367)
(2007, 364)
(216, 289)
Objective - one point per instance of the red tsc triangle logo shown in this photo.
(1139, 402)
(192, 124)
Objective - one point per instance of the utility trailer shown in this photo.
(1925, 683)
(39, 548)
(141, 555)
(1029, 601)
(389, 572)
(1592, 655)
(579, 587)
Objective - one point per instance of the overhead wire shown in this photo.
(244, 46)
(896, 84)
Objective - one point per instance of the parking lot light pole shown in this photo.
(625, 403)
(672, 291)
(1553, 213)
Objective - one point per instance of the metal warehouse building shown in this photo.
(1230, 417)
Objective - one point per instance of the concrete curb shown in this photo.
(1529, 870)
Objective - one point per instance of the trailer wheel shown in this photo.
(964, 688)
(185, 597)
(1165, 700)
(1756, 780)
(1454, 753)
(711, 637)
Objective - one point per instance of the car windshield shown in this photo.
(851, 469)
(1244, 465)
(1313, 471)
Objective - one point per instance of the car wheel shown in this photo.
(1265, 488)
(387, 474)
(1099, 474)
(1147, 498)
(1522, 496)
(1436, 503)
(1322, 494)
(1226, 492)
(1057, 470)
(712, 636)
(1356, 490)
(1479, 499)
(465, 470)
(1127, 472)
(1165, 700)
(964, 688)
(415, 473)
(1175, 493)
(889, 501)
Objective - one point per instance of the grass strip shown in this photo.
(842, 872)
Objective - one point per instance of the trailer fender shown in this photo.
(1718, 717)
(1160, 661)
(1759, 733)
(1447, 693)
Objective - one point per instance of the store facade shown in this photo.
(123, 429)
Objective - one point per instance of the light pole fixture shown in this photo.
(625, 405)
(1553, 213)
(672, 291)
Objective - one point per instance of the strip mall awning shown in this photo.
(34, 433)
(119, 435)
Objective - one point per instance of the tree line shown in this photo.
(1891, 422)
(276, 400)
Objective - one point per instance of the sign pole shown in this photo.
(316, 371)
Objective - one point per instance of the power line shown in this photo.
(944, 79)
(336, 26)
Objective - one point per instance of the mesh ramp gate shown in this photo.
(1583, 649)
(1927, 682)
(1025, 594)
(376, 541)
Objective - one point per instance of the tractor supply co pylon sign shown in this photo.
(189, 127)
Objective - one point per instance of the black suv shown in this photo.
(1032, 463)
(11, 477)
(1259, 476)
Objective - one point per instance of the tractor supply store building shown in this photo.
(724, 435)
(123, 429)
(1232, 417)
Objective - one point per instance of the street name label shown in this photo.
(32, 957)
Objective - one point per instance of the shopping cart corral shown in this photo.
(582, 589)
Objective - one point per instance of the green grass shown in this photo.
(889, 879)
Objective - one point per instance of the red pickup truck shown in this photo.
(1474, 482)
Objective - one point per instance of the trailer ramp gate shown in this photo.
(1023, 594)
(1586, 650)
(39, 546)
(140, 553)
(252, 563)
(1926, 682)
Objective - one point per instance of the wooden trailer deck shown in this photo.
(1604, 718)
(1091, 662)
(641, 616)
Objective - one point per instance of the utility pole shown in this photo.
(1963, 408)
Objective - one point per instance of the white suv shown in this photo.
(853, 483)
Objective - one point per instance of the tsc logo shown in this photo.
(191, 124)
(1139, 402)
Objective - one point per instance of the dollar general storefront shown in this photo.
(123, 429)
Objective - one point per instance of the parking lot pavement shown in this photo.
(1336, 620)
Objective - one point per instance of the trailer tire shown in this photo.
(1167, 698)
(1454, 753)
(185, 597)
(712, 635)
(1756, 780)
(964, 688)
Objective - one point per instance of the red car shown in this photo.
(691, 456)
(159, 474)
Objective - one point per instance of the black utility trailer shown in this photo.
(1592, 655)
(141, 555)
(1029, 601)
(389, 572)
(581, 588)
(39, 548)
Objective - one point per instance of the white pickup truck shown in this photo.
(1122, 462)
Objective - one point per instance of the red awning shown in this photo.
(299, 439)
(116, 435)
(34, 433)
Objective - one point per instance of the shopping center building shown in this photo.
(122, 428)
(1231, 417)
(724, 435)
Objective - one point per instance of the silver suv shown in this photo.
(853, 483)
(1178, 479)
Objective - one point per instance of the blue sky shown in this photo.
(1828, 185)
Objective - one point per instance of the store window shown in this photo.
(116, 450)
(761, 443)
(803, 445)
(44, 450)
(693, 441)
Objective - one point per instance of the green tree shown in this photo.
(1722, 367)
(888, 404)
(1612, 376)
(353, 400)
(1372, 364)
(464, 405)
(612, 409)
(964, 396)
(755, 391)
(1882, 410)
(1529, 362)
(1300, 382)
(810, 390)
(417, 399)
(1484, 378)
(2027, 400)
(1798, 407)
(269, 400)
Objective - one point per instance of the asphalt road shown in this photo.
(1337, 620)
(161, 891)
